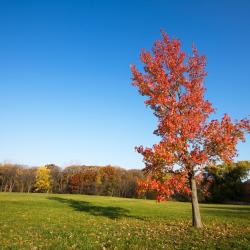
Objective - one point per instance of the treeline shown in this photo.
(221, 183)
(95, 180)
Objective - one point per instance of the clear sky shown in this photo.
(65, 82)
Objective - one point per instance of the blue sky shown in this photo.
(65, 88)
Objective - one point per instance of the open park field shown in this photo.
(50, 221)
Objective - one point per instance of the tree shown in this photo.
(67, 173)
(246, 188)
(30, 178)
(43, 180)
(8, 177)
(84, 182)
(16, 178)
(110, 179)
(225, 181)
(56, 176)
(173, 83)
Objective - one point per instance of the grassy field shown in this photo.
(49, 221)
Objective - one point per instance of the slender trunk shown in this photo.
(196, 217)
(6, 187)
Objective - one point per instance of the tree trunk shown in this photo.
(195, 205)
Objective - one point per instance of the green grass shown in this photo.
(49, 221)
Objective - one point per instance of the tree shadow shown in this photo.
(84, 206)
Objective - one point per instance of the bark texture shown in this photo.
(195, 205)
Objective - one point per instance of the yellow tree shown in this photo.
(43, 180)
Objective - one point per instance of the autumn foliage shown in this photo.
(173, 83)
(78, 179)
(43, 182)
(166, 188)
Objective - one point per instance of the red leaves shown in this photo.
(173, 83)
(173, 184)
(222, 137)
(80, 181)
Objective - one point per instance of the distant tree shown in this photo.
(30, 178)
(3, 178)
(246, 188)
(56, 177)
(129, 181)
(16, 178)
(67, 173)
(8, 176)
(43, 180)
(84, 182)
(173, 83)
(109, 180)
(225, 181)
(20, 180)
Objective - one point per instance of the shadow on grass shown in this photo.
(84, 206)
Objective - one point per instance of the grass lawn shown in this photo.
(51, 221)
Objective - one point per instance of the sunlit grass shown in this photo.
(49, 221)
